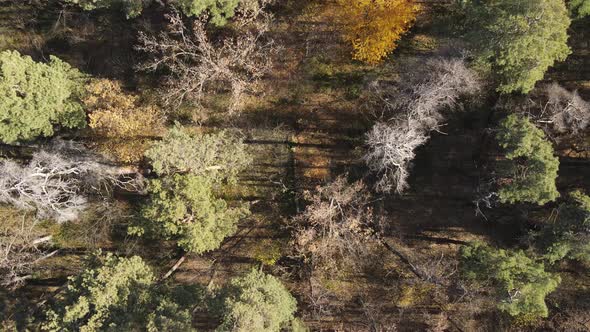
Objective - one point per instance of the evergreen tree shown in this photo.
(569, 235)
(532, 168)
(521, 39)
(579, 8)
(183, 207)
(218, 157)
(521, 283)
(37, 96)
(219, 11)
(117, 294)
(257, 302)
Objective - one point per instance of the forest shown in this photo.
(294, 165)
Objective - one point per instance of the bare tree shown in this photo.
(198, 65)
(57, 181)
(335, 224)
(411, 108)
(567, 111)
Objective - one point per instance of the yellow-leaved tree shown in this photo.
(121, 120)
(374, 27)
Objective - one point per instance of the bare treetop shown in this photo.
(199, 65)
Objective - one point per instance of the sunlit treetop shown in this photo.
(37, 97)
(374, 27)
(520, 39)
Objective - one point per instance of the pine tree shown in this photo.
(520, 282)
(37, 96)
(183, 208)
(257, 302)
(521, 39)
(532, 168)
(117, 294)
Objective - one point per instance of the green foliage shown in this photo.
(116, 294)
(521, 283)
(533, 181)
(183, 207)
(37, 96)
(521, 39)
(568, 236)
(218, 10)
(132, 8)
(579, 8)
(257, 302)
(218, 157)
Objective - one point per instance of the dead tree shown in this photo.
(19, 248)
(410, 108)
(199, 66)
(335, 225)
(57, 182)
(566, 110)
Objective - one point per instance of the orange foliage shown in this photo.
(121, 120)
(374, 27)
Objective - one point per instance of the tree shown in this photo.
(257, 302)
(218, 157)
(580, 8)
(19, 246)
(374, 27)
(132, 8)
(121, 120)
(568, 112)
(57, 181)
(116, 294)
(335, 225)
(567, 236)
(37, 96)
(183, 207)
(521, 283)
(520, 39)
(412, 108)
(532, 168)
(198, 66)
(219, 11)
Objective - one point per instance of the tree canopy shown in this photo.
(257, 302)
(521, 39)
(568, 235)
(218, 10)
(217, 156)
(116, 294)
(183, 207)
(37, 96)
(374, 27)
(580, 8)
(521, 283)
(534, 180)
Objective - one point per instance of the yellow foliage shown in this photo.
(374, 27)
(121, 119)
